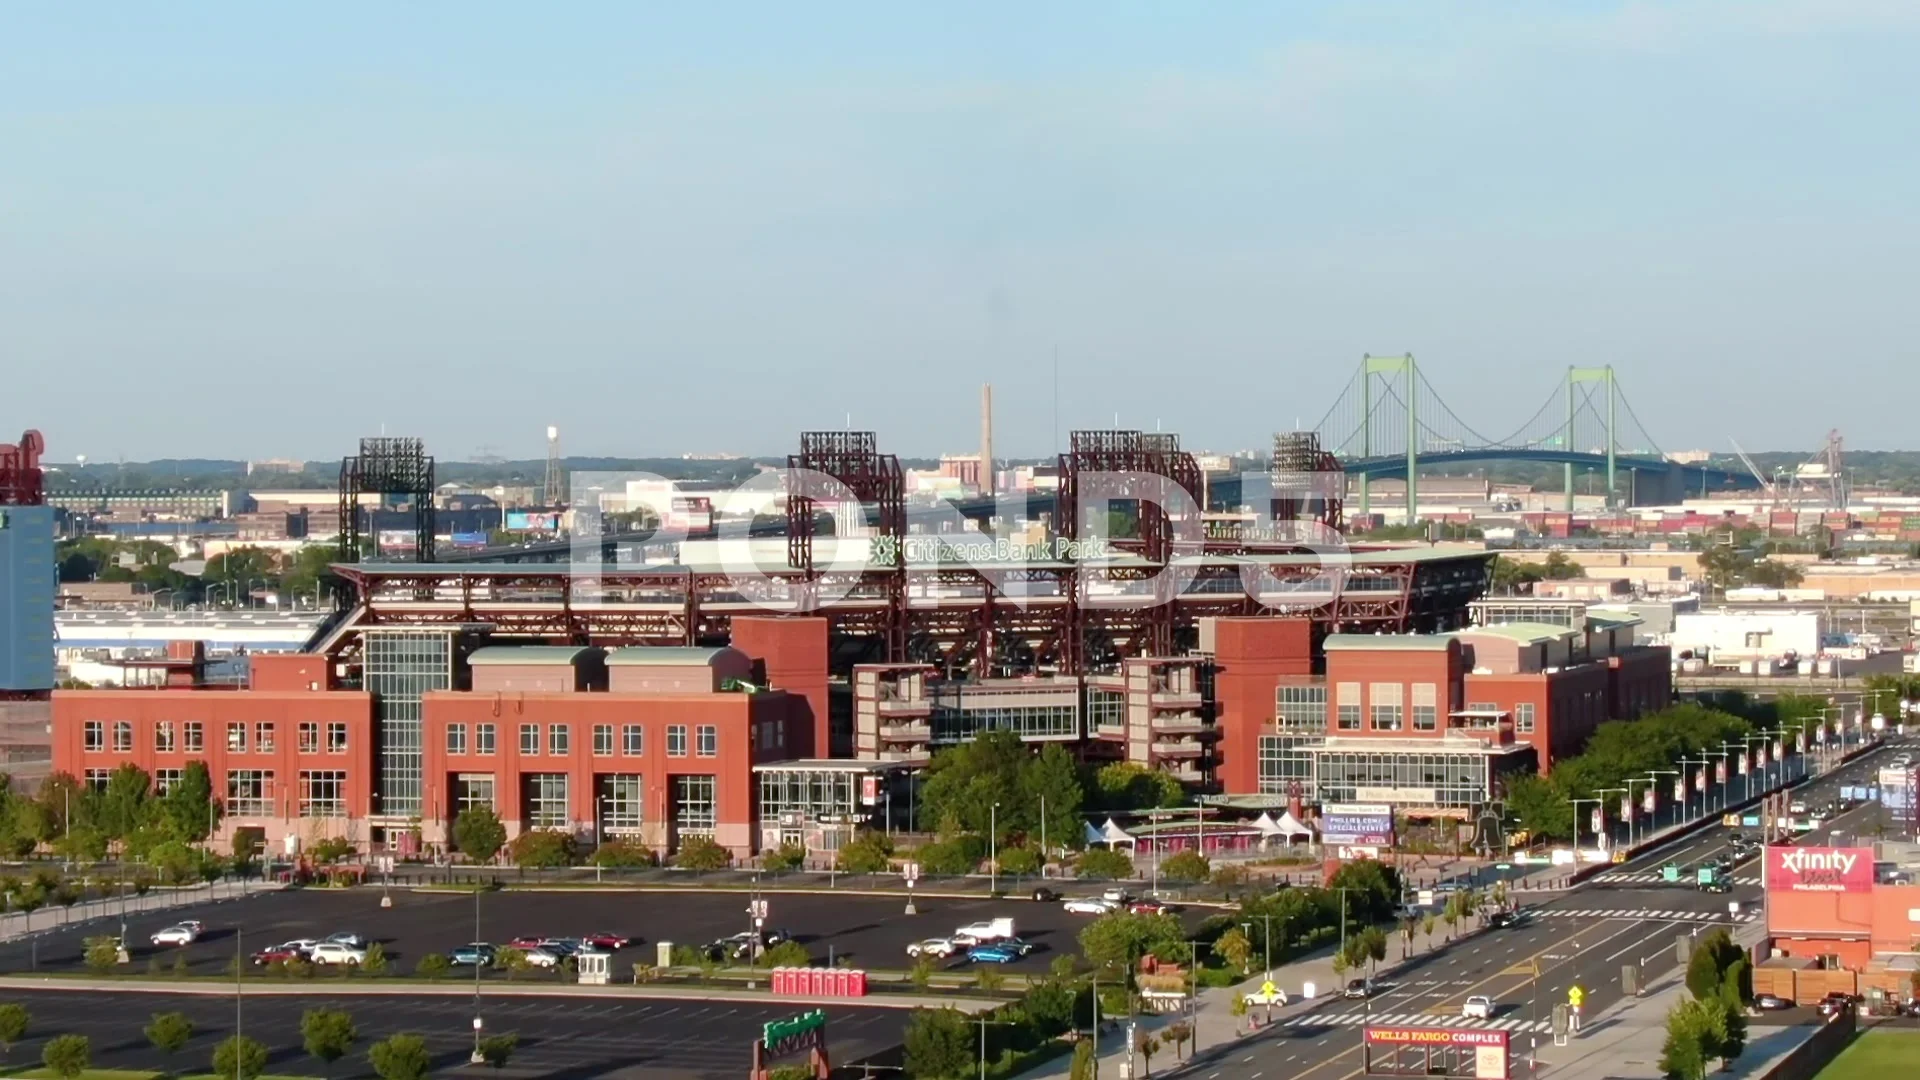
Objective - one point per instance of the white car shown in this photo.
(933, 946)
(178, 934)
(982, 932)
(1478, 1007)
(544, 957)
(1089, 905)
(333, 952)
(1268, 994)
(1116, 895)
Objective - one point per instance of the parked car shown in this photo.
(1478, 1007)
(1501, 919)
(477, 953)
(935, 946)
(1262, 997)
(278, 954)
(1003, 951)
(608, 942)
(526, 941)
(1771, 1002)
(337, 952)
(566, 945)
(177, 934)
(980, 933)
(1116, 895)
(350, 940)
(1149, 907)
(1358, 988)
(546, 956)
(1045, 895)
(1089, 905)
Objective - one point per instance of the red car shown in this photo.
(1148, 907)
(280, 953)
(527, 941)
(608, 942)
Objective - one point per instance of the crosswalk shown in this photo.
(1640, 914)
(1414, 1019)
(1654, 877)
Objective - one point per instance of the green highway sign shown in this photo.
(780, 1030)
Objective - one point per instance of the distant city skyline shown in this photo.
(233, 232)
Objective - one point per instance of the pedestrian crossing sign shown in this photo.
(1575, 995)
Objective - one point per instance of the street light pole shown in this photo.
(1628, 792)
(477, 1059)
(993, 880)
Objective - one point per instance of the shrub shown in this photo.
(541, 848)
(102, 953)
(496, 1049)
(432, 966)
(960, 855)
(786, 954)
(241, 1057)
(1102, 863)
(1019, 860)
(376, 961)
(169, 1032)
(868, 853)
(784, 857)
(330, 850)
(478, 833)
(400, 1057)
(701, 853)
(67, 1055)
(13, 1025)
(623, 854)
(327, 1035)
(1185, 867)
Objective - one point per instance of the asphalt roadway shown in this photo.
(1581, 938)
(558, 1037)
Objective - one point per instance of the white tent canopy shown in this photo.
(1291, 825)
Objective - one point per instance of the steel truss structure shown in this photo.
(22, 483)
(387, 467)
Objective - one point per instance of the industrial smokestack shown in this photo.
(986, 439)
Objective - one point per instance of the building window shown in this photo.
(693, 806)
(1285, 760)
(249, 792)
(263, 738)
(196, 737)
(676, 740)
(123, 736)
(336, 738)
(471, 790)
(530, 739)
(236, 738)
(959, 714)
(483, 738)
(164, 779)
(631, 740)
(1426, 707)
(1301, 708)
(1523, 718)
(309, 737)
(559, 736)
(603, 740)
(1348, 707)
(709, 741)
(1106, 708)
(808, 795)
(95, 734)
(546, 800)
(621, 801)
(456, 738)
(323, 793)
(163, 737)
(1385, 700)
(1458, 780)
(97, 778)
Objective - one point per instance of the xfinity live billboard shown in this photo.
(1819, 870)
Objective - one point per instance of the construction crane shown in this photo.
(1773, 493)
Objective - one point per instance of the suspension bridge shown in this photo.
(1389, 421)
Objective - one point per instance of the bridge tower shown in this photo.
(1604, 376)
(1382, 369)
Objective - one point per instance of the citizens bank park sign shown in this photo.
(1819, 869)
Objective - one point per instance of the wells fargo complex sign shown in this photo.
(1817, 870)
(1477, 1054)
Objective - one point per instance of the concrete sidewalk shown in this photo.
(1624, 1043)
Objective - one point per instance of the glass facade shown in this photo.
(814, 793)
(959, 713)
(1457, 780)
(622, 801)
(1301, 708)
(249, 792)
(1285, 761)
(323, 793)
(546, 799)
(400, 666)
(1106, 708)
(693, 805)
(473, 789)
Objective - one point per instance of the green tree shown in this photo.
(1123, 785)
(1559, 567)
(1540, 807)
(1374, 889)
(701, 853)
(67, 1055)
(964, 784)
(122, 805)
(1236, 949)
(938, 1043)
(330, 849)
(478, 833)
(327, 1035)
(1104, 863)
(1145, 1044)
(13, 1025)
(1019, 860)
(1696, 1034)
(495, 1050)
(400, 1057)
(869, 852)
(189, 804)
(1185, 867)
(239, 1056)
(1115, 942)
(169, 1032)
(1050, 779)
(542, 848)
(622, 854)
(786, 954)
(1511, 575)
(376, 961)
(1082, 1066)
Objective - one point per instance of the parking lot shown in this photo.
(559, 1037)
(872, 932)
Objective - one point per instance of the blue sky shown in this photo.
(235, 231)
